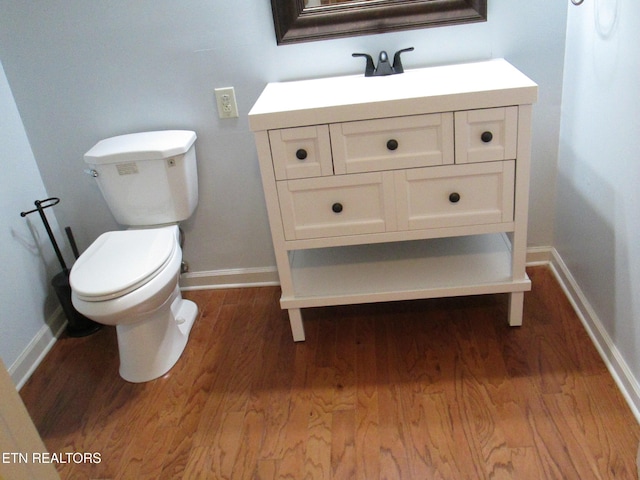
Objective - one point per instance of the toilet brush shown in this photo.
(78, 325)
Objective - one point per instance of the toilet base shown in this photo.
(151, 347)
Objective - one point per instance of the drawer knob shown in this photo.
(301, 154)
(486, 137)
(392, 144)
(454, 197)
(336, 207)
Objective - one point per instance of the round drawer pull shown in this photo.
(486, 137)
(336, 207)
(301, 154)
(454, 197)
(392, 144)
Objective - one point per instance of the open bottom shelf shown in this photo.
(442, 267)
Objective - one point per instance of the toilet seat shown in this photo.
(119, 262)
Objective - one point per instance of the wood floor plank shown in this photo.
(317, 461)
(226, 444)
(156, 449)
(394, 461)
(343, 456)
(428, 389)
(291, 446)
(367, 431)
(271, 394)
(344, 363)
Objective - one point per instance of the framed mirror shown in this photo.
(307, 20)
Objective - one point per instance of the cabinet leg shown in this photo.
(516, 304)
(297, 327)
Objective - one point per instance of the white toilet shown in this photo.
(129, 278)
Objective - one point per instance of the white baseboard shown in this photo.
(538, 256)
(620, 371)
(231, 278)
(38, 347)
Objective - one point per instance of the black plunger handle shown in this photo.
(72, 242)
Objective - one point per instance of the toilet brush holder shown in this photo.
(78, 325)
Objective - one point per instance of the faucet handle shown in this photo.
(397, 63)
(384, 67)
(368, 71)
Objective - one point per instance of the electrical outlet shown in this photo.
(226, 100)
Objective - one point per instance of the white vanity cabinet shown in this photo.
(400, 187)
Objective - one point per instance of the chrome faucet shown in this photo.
(384, 67)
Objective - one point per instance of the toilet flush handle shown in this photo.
(91, 172)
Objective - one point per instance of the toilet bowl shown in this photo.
(137, 291)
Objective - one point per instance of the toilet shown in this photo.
(129, 278)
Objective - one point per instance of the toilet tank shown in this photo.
(147, 178)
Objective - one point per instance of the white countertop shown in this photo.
(424, 90)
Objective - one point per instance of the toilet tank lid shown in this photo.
(141, 146)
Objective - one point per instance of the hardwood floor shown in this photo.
(435, 389)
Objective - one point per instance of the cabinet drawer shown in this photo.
(392, 143)
(454, 196)
(336, 206)
(301, 152)
(486, 135)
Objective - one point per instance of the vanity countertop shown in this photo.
(417, 91)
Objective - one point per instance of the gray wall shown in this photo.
(26, 256)
(84, 70)
(598, 224)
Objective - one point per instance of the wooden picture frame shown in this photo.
(294, 22)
